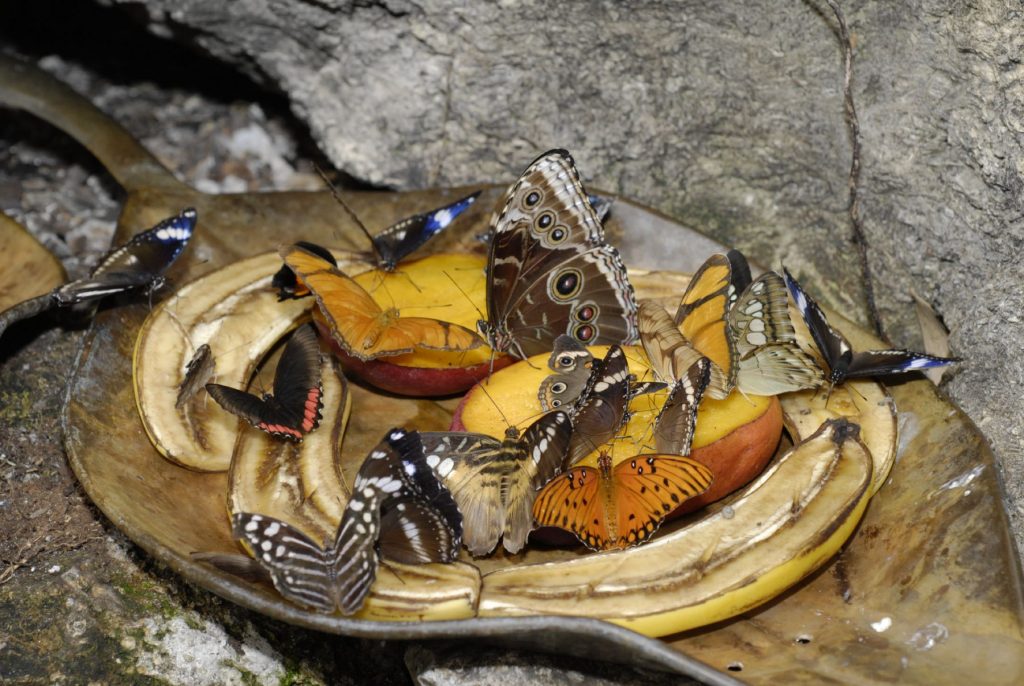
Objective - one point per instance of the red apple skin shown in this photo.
(736, 458)
(412, 381)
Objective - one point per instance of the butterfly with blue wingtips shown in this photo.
(843, 363)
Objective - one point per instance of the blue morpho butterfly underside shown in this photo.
(843, 363)
(398, 510)
(549, 270)
(139, 263)
(294, 408)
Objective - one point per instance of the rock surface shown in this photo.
(730, 117)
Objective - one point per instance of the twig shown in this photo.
(854, 180)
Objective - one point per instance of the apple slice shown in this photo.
(449, 287)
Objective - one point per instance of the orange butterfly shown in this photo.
(622, 506)
(362, 327)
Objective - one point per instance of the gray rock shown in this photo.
(448, 664)
(727, 115)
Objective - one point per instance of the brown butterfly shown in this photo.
(621, 506)
(494, 482)
(363, 328)
(549, 270)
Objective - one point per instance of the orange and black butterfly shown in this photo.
(360, 326)
(700, 327)
(623, 505)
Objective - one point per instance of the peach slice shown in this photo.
(450, 287)
(735, 437)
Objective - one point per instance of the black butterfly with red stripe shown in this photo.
(295, 407)
(843, 363)
(398, 510)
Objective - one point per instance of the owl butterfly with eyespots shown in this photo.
(549, 270)
(494, 482)
(572, 365)
(614, 507)
(398, 511)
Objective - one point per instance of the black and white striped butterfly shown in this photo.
(495, 482)
(549, 270)
(139, 263)
(843, 363)
(398, 509)
(295, 407)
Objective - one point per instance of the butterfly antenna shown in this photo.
(348, 210)
(384, 563)
(508, 424)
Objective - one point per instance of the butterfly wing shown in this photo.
(299, 568)
(648, 488)
(572, 501)
(285, 281)
(137, 263)
(399, 240)
(675, 424)
(413, 531)
(473, 467)
(667, 349)
(298, 391)
(890, 362)
(198, 371)
(250, 408)
(770, 361)
(832, 345)
(703, 318)
(549, 270)
(600, 411)
(494, 483)
(570, 364)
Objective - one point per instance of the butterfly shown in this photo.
(549, 270)
(285, 281)
(398, 241)
(294, 408)
(677, 420)
(769, 360)
(141, 262)
(571, 365)
(395, 243)
(358, 324)
(621, 506)
(398, 508)
(198, 371)
(702, 317)
(494, 482)
(843, 363)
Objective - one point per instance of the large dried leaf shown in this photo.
(928, 591)
(29, 268)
